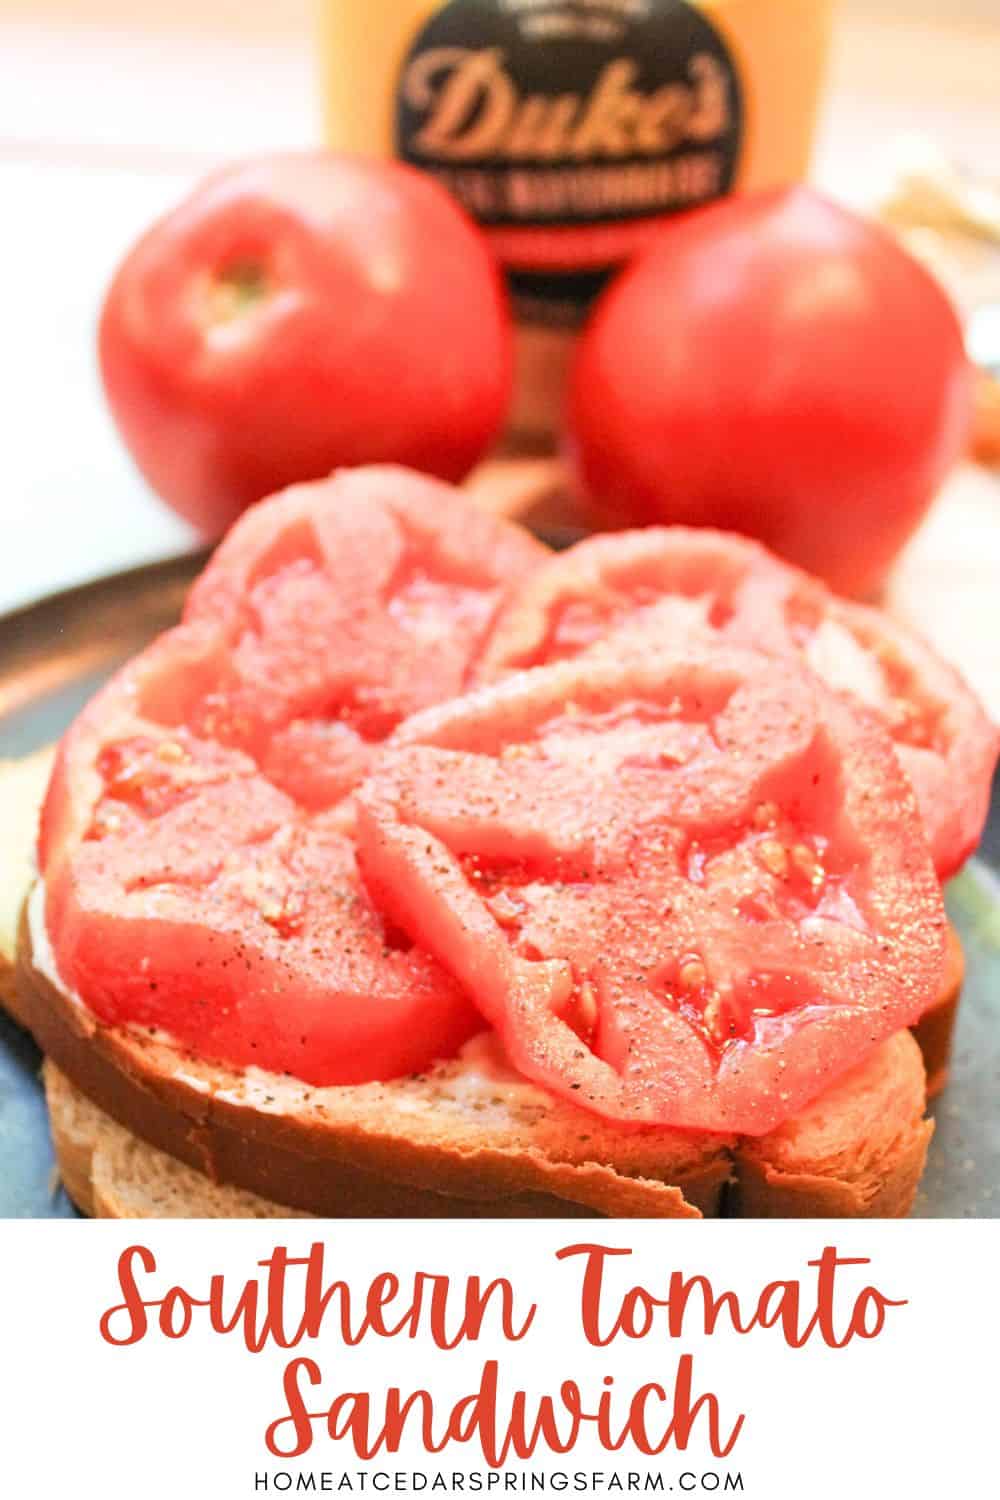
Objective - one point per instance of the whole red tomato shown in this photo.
(299, 313)
(778, 366)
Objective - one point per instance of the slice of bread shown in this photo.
(111, 1174)
(22, 789)
(142, 1129)
(859, 1152)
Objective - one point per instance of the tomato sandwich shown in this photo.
(421, 871)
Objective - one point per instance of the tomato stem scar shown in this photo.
(236, 290)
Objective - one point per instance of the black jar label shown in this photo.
(548, 113)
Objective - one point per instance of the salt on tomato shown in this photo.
(185, 891)
(637, 590)
(674, 583)
(344, 606)
(198, 874)
(687, 890)
(945, 740)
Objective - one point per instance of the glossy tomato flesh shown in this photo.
(659, 587)
(198, 872)
(688, 890)
(343, 607)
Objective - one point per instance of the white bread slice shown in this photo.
(858, 1152)
(111, 1174)
(439, 1144)
(22, 788)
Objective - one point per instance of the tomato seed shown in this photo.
(773, 856)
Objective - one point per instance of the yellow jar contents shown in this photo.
(572, 128)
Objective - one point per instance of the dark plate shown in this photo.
(53, 656)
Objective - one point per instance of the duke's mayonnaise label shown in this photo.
(571, 129)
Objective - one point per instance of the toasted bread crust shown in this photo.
(74, 1139)
(9, 998)
(858, 1151)
(22, 789)
(802, 1170)
(112, 1174)
(766, 1192)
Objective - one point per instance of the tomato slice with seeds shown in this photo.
(688, 890)
(199, 875)
(945, 741)
(673, 582)
(344, 606)
(263, 950)
(668, 585)
(127, 753)
(185, 891)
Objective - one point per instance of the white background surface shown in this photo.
(103, 128)
(911, 1413)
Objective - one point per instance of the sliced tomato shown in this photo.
(345, 606)
(152, 696)
(675, 583)
(197, 871)
(186, 891)
(663, 586)
(943, 736)
(264, 948)
(689, 889)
